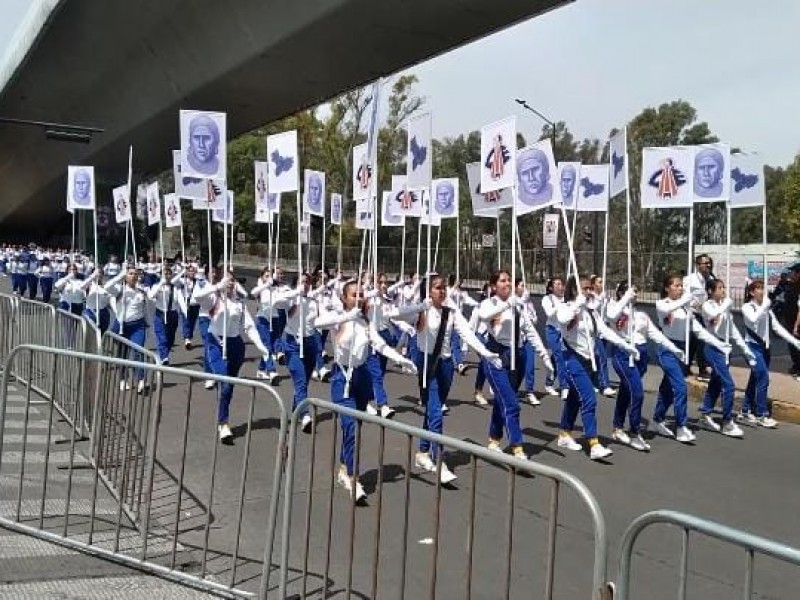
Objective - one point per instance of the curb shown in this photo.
(782, 411)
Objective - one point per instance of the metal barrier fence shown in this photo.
(8, 327)
(69, 395)
(751, 544)
(34, 324)
(191, 510)
(463, 536)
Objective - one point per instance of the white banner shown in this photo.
(429, 216)
(747, 181)
(225, 214)
(550, 233)
(153, 204)
(404, 202)
(712, 164)
(667, 177)
(203, 144)
(419, 154)
(214, 198)
(568, 188)
(535, 170)
(284, 162)
(618, 162)
(172, 211)
(141, 201)
(80, 188)
(498, 155)
(486, 205)
(122, 205)
(593, 195)
(389, 219)
(336, 209)
(362, 172)
(365, 214)
(314, 193)
(444, 203)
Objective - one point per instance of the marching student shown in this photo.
(529, 349)
(434, 327)
(673, 310)
(759, 320)
(479, 327)
(190, 307)
(504, 316)
(165, 321)
(129, 302)
(46, 274)
(597, 302)
(635, 327)
(458, 299)
(303, 309)
(351, 382)
(269, 313)
(554, 297)
(72, 294)
(229, 319)
(324, 295)
(719, 323)
(203, 296)
(33, 278)
(98, 301)
(579, 330)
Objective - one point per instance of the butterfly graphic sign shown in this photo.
(747, 180)
(283, 161)
(593, 192)
(618, 161)
(419, 156)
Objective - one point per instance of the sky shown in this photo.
(595, 64)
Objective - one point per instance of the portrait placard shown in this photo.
(203, 144)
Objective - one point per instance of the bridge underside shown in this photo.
(130, 66)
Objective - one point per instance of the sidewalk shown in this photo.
(783, 394)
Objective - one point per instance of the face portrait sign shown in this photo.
(80, 188)
(203, 146)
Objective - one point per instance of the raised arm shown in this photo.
(250, 329)
(614, 308)
(331, 318)
(781, 331)
(469, 337)
(669, 306)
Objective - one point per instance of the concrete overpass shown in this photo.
(130, 66)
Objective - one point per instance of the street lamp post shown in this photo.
(526, 106)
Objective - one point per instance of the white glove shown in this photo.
(548, 363)
(352, 313)
(409, 364)
(427, 302)
(726, 304)
(681, 355)
(633, 351)
(766, 303)
(580, 301)
(726, 349)
(513, 300)
(494, 360)
(751, 358)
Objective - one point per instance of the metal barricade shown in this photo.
(8, 324)
(177, 504)
(36, 325)
(68, 391)
(751, 544)
(500, 536)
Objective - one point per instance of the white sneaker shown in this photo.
(620, 436)
(324, 354)
(187, 344)
(519, 452)
(767, 422)
(361, 495)
(140, 387)
(480, 398)
(224, 432)
(210, 384)
(638, 443)
(598, 451)
(323, 373)
(445, 409)
(609, 392)
(315, 375)
(494, 446)
(371, 410)
(387, 412)
(685, 435)
(564, 393)
(551, 391)
(271, 377)
(708, 422)
(662, 429)
(747, 419)
(305, 423)
(124, 385)
(446, 475)
(423, 461)
(261, 375)
(344, 480)
(532, 399)
(731, 429)
(566, 441)
(461, 368)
